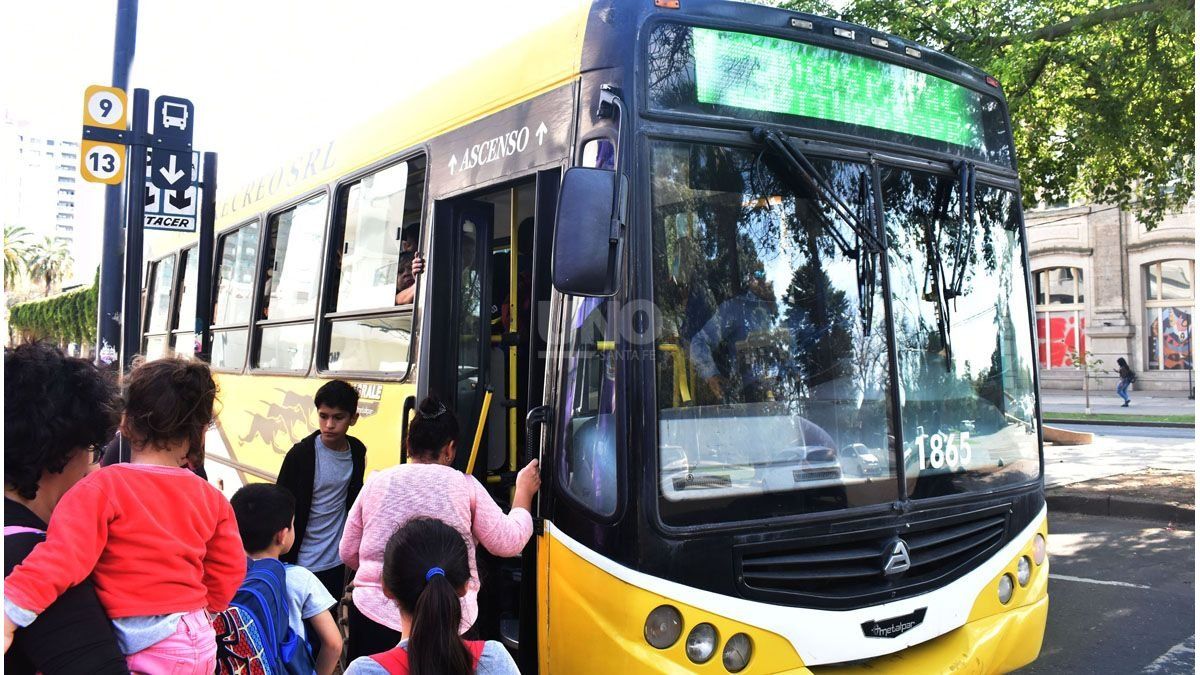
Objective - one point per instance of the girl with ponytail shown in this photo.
(160, 544)
(425, 572)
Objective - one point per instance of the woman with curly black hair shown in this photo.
(57, 411)
(160, 544)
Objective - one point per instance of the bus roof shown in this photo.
(528, 65)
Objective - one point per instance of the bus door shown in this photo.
(489, 252)
(461, 312)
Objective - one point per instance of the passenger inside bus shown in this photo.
(405, 278)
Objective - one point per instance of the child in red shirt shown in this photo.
(160, 544)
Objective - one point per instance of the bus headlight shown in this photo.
(1039, 548)
(1024, 567)
(1005, 588)
(663, 626)
(701, 643)
(736, 654)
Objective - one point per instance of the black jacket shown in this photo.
(73, 635)
(298, 472)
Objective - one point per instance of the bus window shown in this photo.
(588, 428)
(158, 306)
(289, 297)
(184, 326)
(236, 252)
(371, 286)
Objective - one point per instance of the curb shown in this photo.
(1121, 423)
(1121, 507)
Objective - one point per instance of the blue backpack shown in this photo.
(253, 635)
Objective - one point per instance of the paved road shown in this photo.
(1122, 598)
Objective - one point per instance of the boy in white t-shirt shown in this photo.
(265, 515)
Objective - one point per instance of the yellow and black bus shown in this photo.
(752, 284)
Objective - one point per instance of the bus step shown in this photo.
(510, 632)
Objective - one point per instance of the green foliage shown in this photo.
(69, 317)
(16, 254)
(1102, 97)
(49, 261)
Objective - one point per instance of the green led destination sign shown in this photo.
(780, 76)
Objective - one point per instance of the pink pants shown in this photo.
(190, 650)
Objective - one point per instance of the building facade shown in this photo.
(1107, 287)
(41, 190)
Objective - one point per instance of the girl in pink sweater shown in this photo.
(427, 487)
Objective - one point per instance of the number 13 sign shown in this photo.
(103, 162)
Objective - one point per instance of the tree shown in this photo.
(1090, 365)
(49, 261)
(16, 255)
(1102, 97)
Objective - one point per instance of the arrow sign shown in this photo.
(541, 132)
(179, 199)
(151, 196)
(453, 163)
(173, 174)
(169, 168)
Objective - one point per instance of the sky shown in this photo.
(266, 76)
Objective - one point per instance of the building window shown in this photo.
(49, 142)
(66, 179)
(1060, 316)
(63, 192)
(70, 155)
(70, 144)
(1170, 296)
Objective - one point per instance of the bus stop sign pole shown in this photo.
(204, 261)
(135, 211)
(108, 320)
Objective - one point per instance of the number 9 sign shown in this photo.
(104, 107)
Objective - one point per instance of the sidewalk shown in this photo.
(1125, 474)
(1149, 494)
(1107, 402)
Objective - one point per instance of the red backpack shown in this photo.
(395, 660)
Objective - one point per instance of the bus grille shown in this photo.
(846, 570)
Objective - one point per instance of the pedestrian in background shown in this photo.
(160, 544)
(1127, 378)
(57, 412)
(425, 572)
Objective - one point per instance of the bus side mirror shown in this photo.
(588, 233)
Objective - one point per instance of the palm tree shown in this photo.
(50, 261)
(16, 255)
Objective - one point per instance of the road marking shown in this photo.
(1179, 659)
(1064, 577)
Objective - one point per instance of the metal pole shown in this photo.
(204, 271)
(135, 210)
(108, 320)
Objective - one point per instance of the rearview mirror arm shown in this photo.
(611, 105)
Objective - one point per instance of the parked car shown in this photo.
(857, 459)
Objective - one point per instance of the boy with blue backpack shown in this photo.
(266, 622)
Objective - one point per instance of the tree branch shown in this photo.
(1032, 76)
(1096, 18)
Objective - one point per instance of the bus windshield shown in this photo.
(772, 377)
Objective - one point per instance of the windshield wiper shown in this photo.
(964, 242)
(801, 170)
